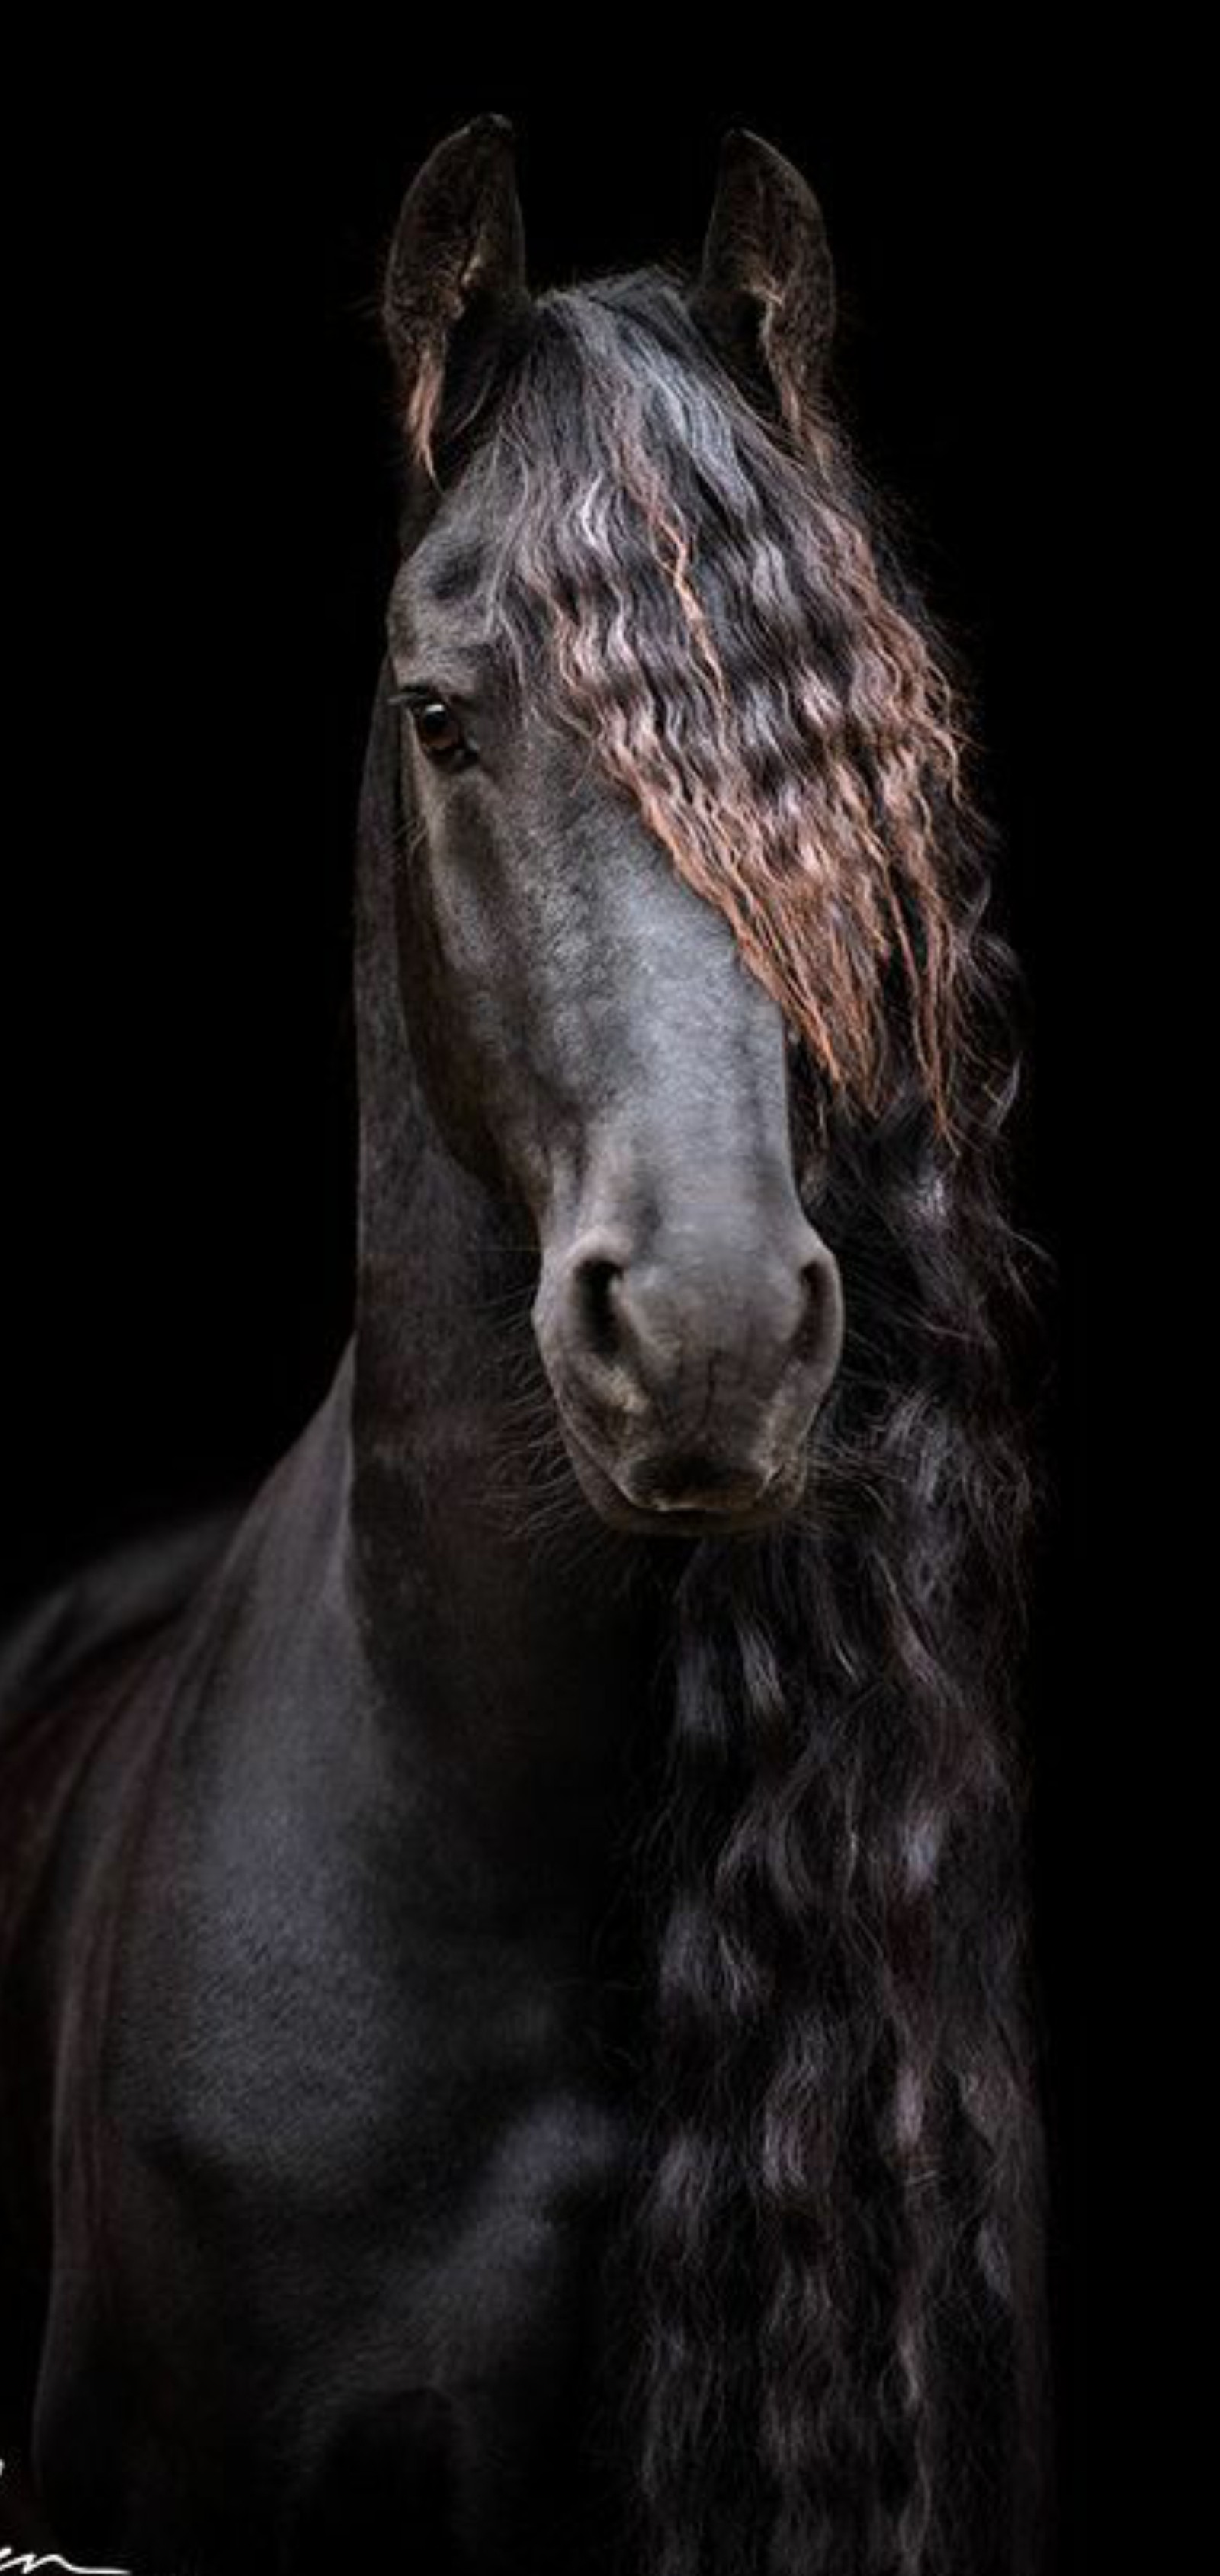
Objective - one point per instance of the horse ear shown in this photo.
(455, 305)
(765, 295)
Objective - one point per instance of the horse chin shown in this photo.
(609, 1499)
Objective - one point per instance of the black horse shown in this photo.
(517, 2027)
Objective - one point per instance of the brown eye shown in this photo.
(438, 732)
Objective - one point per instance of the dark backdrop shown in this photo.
(204, 505)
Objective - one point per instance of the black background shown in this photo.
(200, 540)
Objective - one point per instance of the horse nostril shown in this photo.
(595, 1279)
(819, 1333)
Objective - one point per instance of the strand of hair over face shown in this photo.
(705, 598)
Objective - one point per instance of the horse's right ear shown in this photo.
(455, 305)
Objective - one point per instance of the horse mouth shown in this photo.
(739, 1506)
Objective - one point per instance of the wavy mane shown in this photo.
(827, 2293)
(704, 589)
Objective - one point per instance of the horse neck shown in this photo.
(520, 1631)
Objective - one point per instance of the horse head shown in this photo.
(651, 867)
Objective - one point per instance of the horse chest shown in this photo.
(373, 2239)
(400, 2176)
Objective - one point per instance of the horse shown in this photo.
(518, 2007)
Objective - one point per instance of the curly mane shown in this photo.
(827, 2292)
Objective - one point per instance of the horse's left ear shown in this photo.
(455, 303)
(765, 295)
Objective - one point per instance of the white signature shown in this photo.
(48, 2558)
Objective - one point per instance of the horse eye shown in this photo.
(438, 732)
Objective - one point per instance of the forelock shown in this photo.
(698, 586)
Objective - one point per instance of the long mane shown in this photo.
(827, 2290)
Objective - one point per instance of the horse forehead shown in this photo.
(449, 565)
